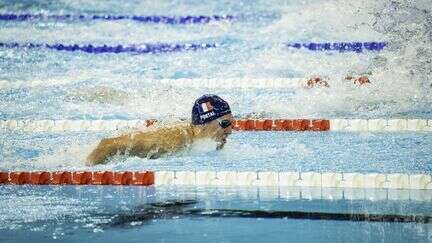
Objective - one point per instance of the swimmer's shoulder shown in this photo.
(169, 137)
(175, 129)
(163, 130)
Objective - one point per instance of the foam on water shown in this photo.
(22, 209)
(252, 151)
(44, 84)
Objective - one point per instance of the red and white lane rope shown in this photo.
(141, 178)
(222, 178)
(353, 125)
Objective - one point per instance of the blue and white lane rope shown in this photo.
(156, 19)
(340, 46)
(357, 47)
(137, 49)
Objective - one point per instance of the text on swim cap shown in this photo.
(205, 116)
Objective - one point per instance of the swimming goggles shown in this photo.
(225, 123)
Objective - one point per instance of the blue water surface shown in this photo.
(71, 213)
(44, 83)
(404, 152)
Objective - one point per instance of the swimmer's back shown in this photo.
(146, 144)
(165, 139)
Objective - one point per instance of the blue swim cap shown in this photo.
(207, 108)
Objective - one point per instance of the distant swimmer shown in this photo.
(316, 82)
(360, 80)
(320, 82)
(211, 118)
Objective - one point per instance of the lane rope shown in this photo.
(279, 125)
(142, 178)
(156, 19)
(221, 178)
(357, 47)
(95, 49)
(167, 47)
(244, 83)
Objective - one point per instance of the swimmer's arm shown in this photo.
(107, 148)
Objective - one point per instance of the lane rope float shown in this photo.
(156, 19)
(221, 178)
(98, 49)
(279, 125)
(142, 178)
(357, 47)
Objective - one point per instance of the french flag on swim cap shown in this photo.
(206, 106)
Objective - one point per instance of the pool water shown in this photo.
(38, 83)
(403, 152)
(41, 83)
(127, 214)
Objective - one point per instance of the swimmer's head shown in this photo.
(212, 115)
(208, 108)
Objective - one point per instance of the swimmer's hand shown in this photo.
(95, 158)
(105, 149)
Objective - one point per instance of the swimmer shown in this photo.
(359, 81)
(211, 118)
(316, 82)
(320, 82)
